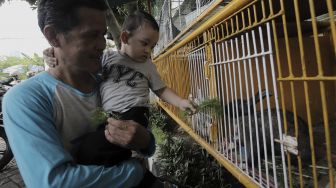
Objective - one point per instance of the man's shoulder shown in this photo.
(41, 84)
(41, 79)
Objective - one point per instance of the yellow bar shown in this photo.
(332, 23)
(255, 13)
(288, 51)
(306, 93)
(228, 10)
(243, 18)
(327, 133)
(241, 177)
(296, 129)
(317, 78)
(276, 46)
(263, 9)
(315, 35)
(298, 25)
(254, 25)
(310, 127)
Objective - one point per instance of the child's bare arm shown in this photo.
(171, 97)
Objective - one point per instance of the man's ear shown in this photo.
(124, 36)
(51, 35)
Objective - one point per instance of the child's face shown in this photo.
(140, 43)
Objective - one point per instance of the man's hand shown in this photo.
(127, 133)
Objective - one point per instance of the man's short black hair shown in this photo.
(62, 14)
(136, 19)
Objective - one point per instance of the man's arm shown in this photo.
(40, 154)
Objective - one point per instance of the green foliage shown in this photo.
(190, 165)
(182, 161)
(25, 60)
(156, 118)
(123, 10)
(159, 134)
(213, 105)
(3, 75)
(35, 60)
(100, 116)
(157, 122)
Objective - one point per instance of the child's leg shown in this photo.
(95, 149)
(137, 114)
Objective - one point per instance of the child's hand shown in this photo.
(49, 58)
(188, 106)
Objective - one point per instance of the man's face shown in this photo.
(141, 42)
(82, 47)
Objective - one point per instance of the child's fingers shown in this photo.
(49, 58)
(49, 52)
(193, 106)
(51, 62)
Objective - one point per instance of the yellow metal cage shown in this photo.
(272, 64)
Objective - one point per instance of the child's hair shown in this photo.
(136, 19)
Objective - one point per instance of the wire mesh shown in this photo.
(272, 65)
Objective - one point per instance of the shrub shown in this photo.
(183, 161)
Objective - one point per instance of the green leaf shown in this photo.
(213, 105)
(99, 116)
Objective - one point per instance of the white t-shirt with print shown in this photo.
(128, 82)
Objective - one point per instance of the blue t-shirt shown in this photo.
(42, 118)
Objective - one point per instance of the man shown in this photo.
(46, 115)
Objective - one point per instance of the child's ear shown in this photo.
(124, 37)
(51, 35)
